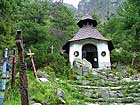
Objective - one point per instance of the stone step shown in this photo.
(130, 89)
(95, 92)
(103, 103)
(96, 87)
(96, 83)
(104, 83)
(95, 95)
(116, 100)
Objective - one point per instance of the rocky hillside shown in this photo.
(93, 87)
(102, 8)
(73, 9)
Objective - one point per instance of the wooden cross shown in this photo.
(32, 61)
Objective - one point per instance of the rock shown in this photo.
(42, 75)
(89, 103)
(60, 93)
(95, 74)
(78, 77)
(101, 7)
(135, 77)
(87, 64)
(126, 80)
(78, 65)
(113, 94)
(104, 92)
(88, 92)
(57, 79)
(120, 94)
(82, 66)
(37, 104)
(85, 82)
(44, 80)
(115, 104)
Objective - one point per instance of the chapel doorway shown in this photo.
(89, 52)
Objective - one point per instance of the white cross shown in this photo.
(30, 53)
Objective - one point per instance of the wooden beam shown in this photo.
(22, 72)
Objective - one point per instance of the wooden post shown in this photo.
(32, 61)
(13, 68)
(22, 72)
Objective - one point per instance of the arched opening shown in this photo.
(89, 52)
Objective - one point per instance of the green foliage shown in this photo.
(124, 31)
(12, 95)
(128, 100)
(124, 57)
(63, 21)
(131, 71)
(43, 25)
(44, 93)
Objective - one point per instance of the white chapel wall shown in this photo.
(104, 62)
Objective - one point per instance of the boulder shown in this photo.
(78, 65)
(87, 63)
(41, 74)
(82, 66)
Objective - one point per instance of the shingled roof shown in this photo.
(87, 31)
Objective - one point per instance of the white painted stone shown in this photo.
(44, 80)
(37, 104)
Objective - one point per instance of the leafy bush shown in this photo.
(124, 57)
